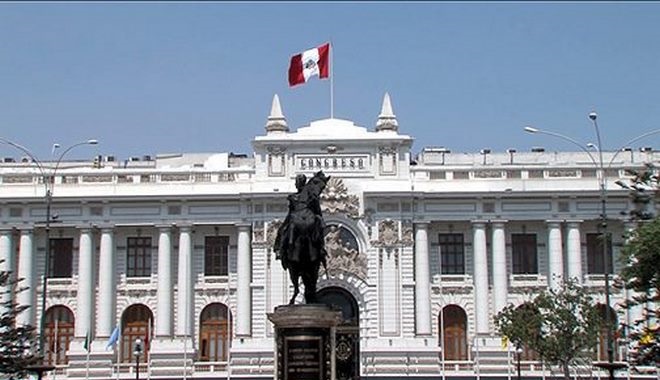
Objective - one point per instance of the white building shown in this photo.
(424, 251)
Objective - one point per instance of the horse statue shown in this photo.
(300, 240)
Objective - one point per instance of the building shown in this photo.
(177, 250)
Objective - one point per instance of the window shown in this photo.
(58, 334)
(451, 253)
(60, 257)
(595, 258)
(138, 257)
(137, 322)
(216, 249)
(523, 251)
(214, 333)
(453, 332)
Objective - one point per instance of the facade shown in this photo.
(176, 250)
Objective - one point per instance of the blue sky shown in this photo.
(150, 78)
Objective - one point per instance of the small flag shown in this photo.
(147, 336)
(86, 344)
(114, 337)
(309, 63)
(505, 341)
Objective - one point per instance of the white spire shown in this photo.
(387, 120)
(276, 120)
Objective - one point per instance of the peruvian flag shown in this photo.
(309, 63)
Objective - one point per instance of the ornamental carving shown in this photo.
(272, 231)
(258, 231)
(343, 253)
(335, 199)
(388, 233)
(407, 233)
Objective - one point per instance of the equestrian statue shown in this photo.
(300, 241)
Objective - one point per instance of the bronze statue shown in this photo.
(300, 240)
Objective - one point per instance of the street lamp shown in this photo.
(610, 366)
(519, 352)
(137, 351)
(48, 179)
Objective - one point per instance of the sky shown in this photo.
(149, 78)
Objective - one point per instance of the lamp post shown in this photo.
(48, 179)
(610, 366)
(519, 352)
(137, 351)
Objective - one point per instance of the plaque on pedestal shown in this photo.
(304, 340)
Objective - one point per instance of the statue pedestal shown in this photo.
(304, 341)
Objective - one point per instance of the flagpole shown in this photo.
(119, 353)
(332, 80)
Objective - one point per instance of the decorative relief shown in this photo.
(335, 199)
(272, 231)
(258, 231)
(174, 177)
(276, 149)
(562, 173)
(488, 174)
(388, 233)
(343, 252)
(407, 233)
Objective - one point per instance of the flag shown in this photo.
(505, 341)
(114, 337)
(309, 63)
(87, 342)
(147, 335)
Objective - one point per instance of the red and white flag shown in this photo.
(309, 63)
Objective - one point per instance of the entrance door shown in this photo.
(347, 341)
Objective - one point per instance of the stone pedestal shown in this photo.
(304, 342)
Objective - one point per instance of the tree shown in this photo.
(561, 326)
(641, 253)
(16, 342)
(641, 273)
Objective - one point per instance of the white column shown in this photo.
(26, 272)
(185, 302)
(500, 283)
(84, 315)
(164, 290)
(243, 294)
(574, 251)
(107, 285)
(480, 276)
(422, 281)
(555, 256)
(6, 265)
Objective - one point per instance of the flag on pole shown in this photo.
(309, 63)
(87, 342)
(114, 337)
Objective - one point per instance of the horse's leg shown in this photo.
(310, 278)
(293, 274)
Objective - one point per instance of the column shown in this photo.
(480, 276)
(185, 304)
(243, 294)
(106, 319)
(85, 300)
(500, 283)
(574, 250)
(6, 265)
(555, 256)
(26, 272)
(164, 290)
(422, 281)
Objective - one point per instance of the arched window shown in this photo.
(601, 349)
(453, 333)
(214, 333)
(59, 333)
(137, 322)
